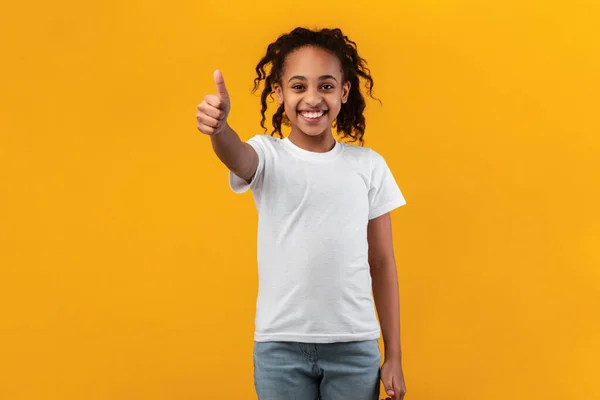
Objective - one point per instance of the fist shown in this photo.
(214, 110)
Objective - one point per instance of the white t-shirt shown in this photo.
(313, 211)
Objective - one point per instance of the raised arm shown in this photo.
(211, 118)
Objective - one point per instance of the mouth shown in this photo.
(312, 116)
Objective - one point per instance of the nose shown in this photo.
(313, 98)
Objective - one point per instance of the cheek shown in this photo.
(335, 104)
(290, 109)
(290, 104)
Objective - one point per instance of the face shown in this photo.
(312, 90)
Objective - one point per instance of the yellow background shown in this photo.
(128, 267)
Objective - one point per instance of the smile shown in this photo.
(312, 115)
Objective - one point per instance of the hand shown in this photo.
(393, 379)
(214, 110)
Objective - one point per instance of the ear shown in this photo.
(346, 91)
(278, 92)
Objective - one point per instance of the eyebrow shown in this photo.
(321, 78)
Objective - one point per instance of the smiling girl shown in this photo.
(325, 252)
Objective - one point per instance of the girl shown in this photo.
(325, 252)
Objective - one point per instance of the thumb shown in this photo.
(220, 84)
(389, 388)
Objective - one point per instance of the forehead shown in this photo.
(312, 61)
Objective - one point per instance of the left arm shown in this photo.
(386, 294)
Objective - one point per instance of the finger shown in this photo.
(386, 379)
(211, 111)
(402, 394)
(389, 389)
(398, 390)
(207, 130)
(215, 101)
(207, 120)
(395, 394)
(220, 83)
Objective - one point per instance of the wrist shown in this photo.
(222, 129)
(221, 134)
(393, 354)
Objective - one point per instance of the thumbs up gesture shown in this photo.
(214, 109)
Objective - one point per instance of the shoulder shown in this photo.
(356, 151)
(264, 140)
(265, 145)
(365, 155)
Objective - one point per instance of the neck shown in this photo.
(319, 144)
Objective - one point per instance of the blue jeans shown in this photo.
(307, 371)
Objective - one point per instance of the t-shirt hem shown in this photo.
(379, 211)
(238, 185)
(316, 338)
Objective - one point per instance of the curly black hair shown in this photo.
(350, 121)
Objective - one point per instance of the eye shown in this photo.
(327, 86)
(297, 87)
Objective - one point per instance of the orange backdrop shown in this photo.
(127, 267)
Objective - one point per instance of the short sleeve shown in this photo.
(239, 185)
(384, 193)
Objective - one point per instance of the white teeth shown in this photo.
(310, 114)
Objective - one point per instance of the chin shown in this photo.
(313, 131)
